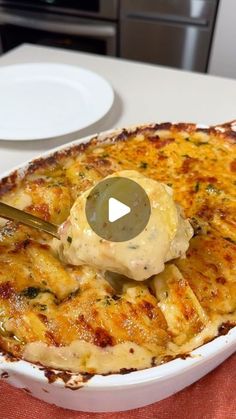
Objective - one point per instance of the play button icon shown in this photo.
(117, 209)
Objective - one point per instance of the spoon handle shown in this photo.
(10, 213)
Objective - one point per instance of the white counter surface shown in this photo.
(143, 93)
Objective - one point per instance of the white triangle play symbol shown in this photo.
(117, 210)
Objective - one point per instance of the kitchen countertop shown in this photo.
(143, 93)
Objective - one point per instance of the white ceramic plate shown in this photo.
(42, 101)
(117, 392)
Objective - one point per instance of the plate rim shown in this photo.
(107, 84)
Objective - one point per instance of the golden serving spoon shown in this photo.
(14, 214)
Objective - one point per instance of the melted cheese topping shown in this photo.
(69, 317)
(165, 237)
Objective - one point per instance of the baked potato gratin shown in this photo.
(165, 237)
(70, 318)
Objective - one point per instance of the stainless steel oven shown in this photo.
(84, 25)
(174, 33)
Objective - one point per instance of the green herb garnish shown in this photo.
(197, 187)
(30, 292)
(212, 189)
(143, 165)
(198, 144)
(107, 300)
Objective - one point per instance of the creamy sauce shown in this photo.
(81, 356)
(165, 237)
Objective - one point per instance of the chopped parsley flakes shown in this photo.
(143, 165)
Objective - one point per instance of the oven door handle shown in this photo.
(95, 30)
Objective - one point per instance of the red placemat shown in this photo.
(213, 397)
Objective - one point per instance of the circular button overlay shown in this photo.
(118, 209)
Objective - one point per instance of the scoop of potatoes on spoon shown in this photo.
(164, 237)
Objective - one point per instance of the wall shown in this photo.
(223, 53)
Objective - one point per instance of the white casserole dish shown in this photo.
(115, 392)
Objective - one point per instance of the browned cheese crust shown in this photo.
(43, 300)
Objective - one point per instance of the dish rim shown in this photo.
(161, 372)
